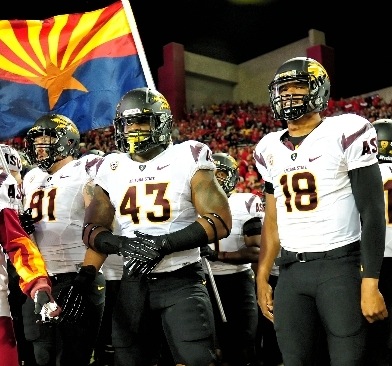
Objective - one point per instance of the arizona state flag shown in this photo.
(78, 65)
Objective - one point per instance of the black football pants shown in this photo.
(70, 343)
(176, 301)
(322, 291)
(236, 338)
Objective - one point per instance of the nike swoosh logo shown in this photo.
(162, 167)
(64, 176)
(100, 288)
(313, 159)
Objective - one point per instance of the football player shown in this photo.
(324, 207)
(167, 203)
(23, 254)
(231, 259)
(57, 190)
(379, 339)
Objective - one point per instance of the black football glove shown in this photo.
(161, 246)
(142, 252)
(209, 253)
(73, 299)
(26, 220)
(46, 307)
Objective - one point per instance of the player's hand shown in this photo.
(107, 243)
(144, 252)
(207, 252)
(265, 299)
(142, 248)
(74, 299)
(45, 307)
(372, 301)
(26, 220)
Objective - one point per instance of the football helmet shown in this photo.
(142, 105)
(26, 163)
(384, 137)
(227, 164)
(304, 70)
(65, 140)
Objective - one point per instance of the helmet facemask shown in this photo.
(305, 71)
(50, 148)
(226, 164)
(142, 106)
(64, 141)
(140, 141)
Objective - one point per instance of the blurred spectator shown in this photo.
(233, 127)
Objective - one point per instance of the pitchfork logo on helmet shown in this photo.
(309, 73)
(383, 127)
(142, 106)
(226, 171)
(162, 100)
(64, 140)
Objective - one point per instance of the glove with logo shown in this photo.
(73, 299)
(45, 306)
(146, 251)
(209, 253)
(26, 220)
(161, 245)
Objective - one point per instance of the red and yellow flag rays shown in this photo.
(48, 52)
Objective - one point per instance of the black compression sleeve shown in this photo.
(367, 188)
(269, 188)
(252, 227)
(192, 236)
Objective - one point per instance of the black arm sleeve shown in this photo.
(189, 237)
(269, 188)
(367, 188)
(252, 227)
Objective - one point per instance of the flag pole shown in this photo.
(207, 266)
(138, 43)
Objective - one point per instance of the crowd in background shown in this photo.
(235, 128)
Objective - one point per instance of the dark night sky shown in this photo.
(360, 35)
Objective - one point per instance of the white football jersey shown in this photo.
(112, 268)
(316, 210)
(58, 207)
(243, 207)
(9, 198)
(10, 192)
(155, 197)
(386, 173)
